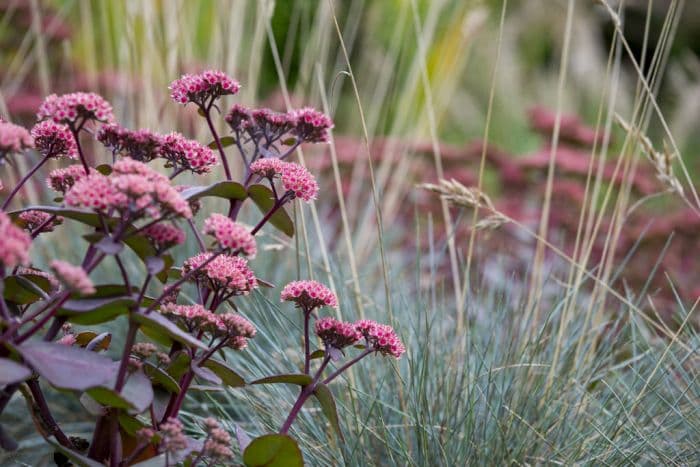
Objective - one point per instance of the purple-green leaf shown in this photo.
(67, 367)
(264, 199)
(12, 372)
(325, 398)
(298, 379)
(159, 323)
(276, 450)
(226, 373)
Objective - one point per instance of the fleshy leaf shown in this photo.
(205, 373)
(225, 141)
(12, 372)
(95, 310)
(223, 371)
(159, 323)
(159, 376)
(179, 364)
(67, 367)
(24, 289)
(265, 199)
(325, 398)
(136, 395)
(298, 379)
(226, 189)
(276, 450)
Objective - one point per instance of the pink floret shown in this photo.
(63, 179)
(14, 138)
(164, 236)
(380, 338)
(311, 125)
(296, 179)
(336, 334)
(223, 272)
(186, 154)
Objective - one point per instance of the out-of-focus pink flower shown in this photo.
(68, 339)
(230, 235)
(202, 87)
(223, 272)
(186, 154)
(310, 125)
(33, 219)
(216, 448)
(62, 180)
(336, 334)
(54, 140)
(73, 277)
(237, 325)
(164, 236)
(141, 145)
(69, 108)
(14, 243)
(173, 436)
(295, 178)
(380, 338)
(144, 349)
(14, 138)
(309, 295)
(272, 125)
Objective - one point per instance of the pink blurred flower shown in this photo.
(73, 277)
(309, 295)
(230, 235)
(33, 219)
(14, 243)
(14, 138)
(62, 180)
(164, 236)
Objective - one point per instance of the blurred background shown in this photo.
(536, 89)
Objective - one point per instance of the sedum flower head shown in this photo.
(202, 87)
(69, 108)
(54, 140)
(14, 243)
(311, 125)
(193, 317)
(132, 188)
(141, 145)
(62, 180)
(173, 436)
(73, 277)
(14, 138)
(33, 219)
(380, 338)
(309, 295)
(230, 235)
(336, 334)
(230, 273)
(216, 447)
(186, 154)
(296, 179)
(164, 236)
(239, 117)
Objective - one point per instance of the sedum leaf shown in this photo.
(12, 372)
(264, 199)
(276, 450)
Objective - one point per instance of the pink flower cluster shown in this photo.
(164, 236)
(380, 338)
(216, 448)
(142, 145)
(295, 178)
(73, 277)
(311, 125)
(69, 108)
(307, 125)
(132, 188)
(144, 349)
(336, 334)
(199, 88)
(226, 272)
(172, 434)
(309, 295)
(14, 243)
(230, 235)
(32, 220)
(194, 317)
(186, 154)
(62, 180)
(53, 140)
(14, 138)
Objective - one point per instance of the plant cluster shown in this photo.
(172, 346)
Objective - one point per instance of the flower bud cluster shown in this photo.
(230, 235)
(69, 108)
(52, 139)
(309, 295)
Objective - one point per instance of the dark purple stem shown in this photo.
(74, 131)
(21, 183)
(337, 372)
(45, 413)
(305, 393)
(307, 343)
(224, 162)
(278, 204)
